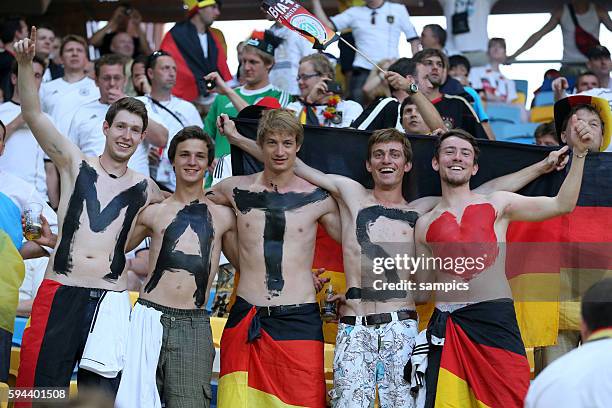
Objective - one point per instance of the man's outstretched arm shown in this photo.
(556, 160)
(56, 145)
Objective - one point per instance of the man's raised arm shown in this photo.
(330, 182)
(58, 147)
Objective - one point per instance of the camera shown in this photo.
(333, 87)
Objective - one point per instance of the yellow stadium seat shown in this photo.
(542, 114)
(4, 395)
(14, 367)
(133, 297)
(521, 98)
(217, 324)
(73, 389)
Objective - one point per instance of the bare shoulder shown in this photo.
(223, 216)
(425, 204)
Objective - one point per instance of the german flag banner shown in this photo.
(548, 264)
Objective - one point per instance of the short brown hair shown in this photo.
(72, 38)
(431, 52)
(547, 128)
(461, 134)
(131, 105)
(321, 65)
(390, 135)
(277, 121)
(192, 132)
(109, 59)
(265, 57)
(497, 40)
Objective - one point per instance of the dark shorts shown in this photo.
(6, 341)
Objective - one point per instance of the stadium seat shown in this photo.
(18, 328)
(514, 132)
(542, 114)
(4, 395)
(14, 367)
(544, 99)
(521, 86)
(217, 324)
(504, 113)
(133, 297)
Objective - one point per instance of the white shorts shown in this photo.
(367, 357)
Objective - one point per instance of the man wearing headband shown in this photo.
(198, 50)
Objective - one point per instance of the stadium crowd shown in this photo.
(126, 161)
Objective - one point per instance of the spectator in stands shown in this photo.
(375, 85)
(122, 45)
(62, 96)
(11, 30)
(86, 127)
(140, 83)
(287, 57)
(376, 27)
(456, 111)
(466, 25)
(588, 15)
(317, 104)
(126, 20)
(489, 81)
(412, 121)
(545, 135)
(386, 112)
(459, 68)
(581, 378)
(600, 63)
(45, 38)
(433, 36)
(593, 111)
(198, 50)
(25, 158)
(175, 113)
(584, 82)
(257, 61)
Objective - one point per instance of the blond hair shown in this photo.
(279, 121)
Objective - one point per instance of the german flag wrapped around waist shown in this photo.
(482, 361)
(272, 361)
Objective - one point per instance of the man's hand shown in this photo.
(319, 92)
(25, 49)
(317, 280)
(583, 135)
(556, 160)
(397, 81)
(221, 86)
(154, 156)
(559, 87)
(340, 300)
(114, 95)
(227, 127)
(142, 85)
(47, 237)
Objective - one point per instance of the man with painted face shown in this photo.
(377, 333)
(100, 200)
(170, 338)
(272, 344)
(475, 323)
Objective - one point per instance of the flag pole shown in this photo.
(363, 55)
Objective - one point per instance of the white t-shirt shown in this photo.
(287, 58)
(589, 22)
(350, 111)
(477, 38)
(204, 43)
(86, 132)
(23, 156)
(61, 99)
(381, 39)
(188, 115)
(580, 379)
(487, 79)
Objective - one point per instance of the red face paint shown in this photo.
(473, 238)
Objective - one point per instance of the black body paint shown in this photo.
(134, 198)
(274, 206)
(197, 217)
(366, 218)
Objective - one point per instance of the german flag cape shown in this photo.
(551, 254)
(482, 362)
(183, 44)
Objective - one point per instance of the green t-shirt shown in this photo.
(222, 104)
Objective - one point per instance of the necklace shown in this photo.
(109, 174)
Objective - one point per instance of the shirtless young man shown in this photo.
(100, 200)
(170, 336)
(377, 333)
(482, 330)
(272, 345)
